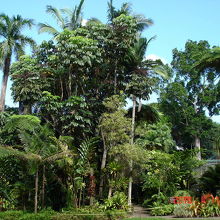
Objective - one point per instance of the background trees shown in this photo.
(193, 92)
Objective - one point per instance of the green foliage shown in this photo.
(161, 171)
(66, 19)
(182, 193)
(28, 81)
(209, 181)
(22, 123)
(162, 210)
(117, 201)
(11, 215)
(193, 91)
(67, 117)
(16, 124)
(13, 42)
(183, 210)
(77, 214)
(197, 209)
(115, 127)
(155, 136)
(187, 163)
(210, 209)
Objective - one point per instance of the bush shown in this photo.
(117, 201)
(182, 193)
(11, 215)
(101, 216)
(156, 200)
(210, 209)
(162, 210)
(183, 210)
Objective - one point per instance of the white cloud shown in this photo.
(84, 21)
(156, 57)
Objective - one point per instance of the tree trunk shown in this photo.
(21, 108)
(132, 142)
(198, 147)
(36, 192)
(103, 164)
(80, 198)
(110, 192)
(115, 77)
(27, 109)
(197, 139)
(140, 105)
(6, 70)
(92, 187)
(43, 186)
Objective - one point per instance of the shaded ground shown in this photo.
(140, 212)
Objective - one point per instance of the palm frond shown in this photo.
(111, 11)
(93, 21)
(86, 148)
(56, 14)
(143, 23)
(9, 151)
(46, 28)
(79, 9)
(211, 59)
(59, 156)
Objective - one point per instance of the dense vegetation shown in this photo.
(75, 143)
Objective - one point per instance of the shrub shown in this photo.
(210, 209)
(117, 201)
(182, 210)
(11, 215)
(182, 193)
(162, 210)
(156, 200)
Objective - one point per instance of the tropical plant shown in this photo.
(13, 42)
(183, 211)
(117, 201)
(114, 129)
(155, 136)
(162, 210)
(209, 60)
(209, 181)
(66, 19)
(40, 147)
(28, 81)
(125, 9)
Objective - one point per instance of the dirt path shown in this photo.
(139, 212)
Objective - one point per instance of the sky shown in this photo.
(175, 21)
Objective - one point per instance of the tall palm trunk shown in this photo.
(6, 70)
(115, 77)
(43, 186)
(110, 192)
(198, 147)
(36, 192)
(197, 138)
(132, 142)
(103, 164)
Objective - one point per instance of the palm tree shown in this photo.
(209, 181)
(66, 19)
(41, 147)
(125, 9)
(140, 85)
(13, 42)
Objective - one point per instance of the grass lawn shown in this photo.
(156, 218)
